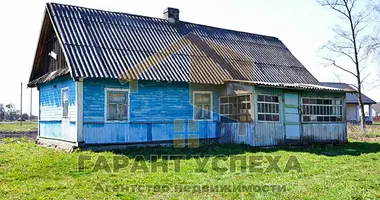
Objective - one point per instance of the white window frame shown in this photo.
(211, 105)
(68, 102)
(279, 108)
(106, 90)
(341, 105)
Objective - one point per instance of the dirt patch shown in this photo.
(29, 134)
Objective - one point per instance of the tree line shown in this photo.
(8, 112)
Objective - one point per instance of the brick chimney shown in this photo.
(172, 15)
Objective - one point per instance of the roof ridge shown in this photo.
(186, 22)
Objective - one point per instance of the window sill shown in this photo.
(115, 121)
(269, 122)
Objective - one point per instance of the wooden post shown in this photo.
(21, 106)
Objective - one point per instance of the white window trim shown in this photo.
(68, 102)
(105, 104)
(279, 108)
(341, 105)
(211, 105)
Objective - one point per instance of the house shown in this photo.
(352, 104)
(376, 111)
(109, 78)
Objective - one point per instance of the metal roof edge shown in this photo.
(297, 86)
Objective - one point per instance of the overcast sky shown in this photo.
(302, 25)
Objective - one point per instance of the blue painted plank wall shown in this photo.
(50, 95)
(154, 107)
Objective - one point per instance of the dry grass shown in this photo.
(371, 133)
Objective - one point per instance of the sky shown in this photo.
(302, 25)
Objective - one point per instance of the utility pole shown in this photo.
(21, 106)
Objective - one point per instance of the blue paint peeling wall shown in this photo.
(50, 121)
(154, 107)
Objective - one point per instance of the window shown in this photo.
(268, 108)
(65, 102)
(116, 105)
(322, 110)
(237, 108)
(202, 105)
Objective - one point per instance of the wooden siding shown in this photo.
(161, 111)
(51, 109)
(269, 133)
(237, 133)
(324, 132)
(54, 130)
(108, 133)
(154, 109)
(253, 134)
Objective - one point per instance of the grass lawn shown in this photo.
(29, 171)
(15, 127)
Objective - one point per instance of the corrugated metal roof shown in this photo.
(104, 44)
(299, 86)
(350, 97)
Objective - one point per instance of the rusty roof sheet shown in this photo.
(103, 44)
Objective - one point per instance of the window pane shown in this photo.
(261, 117)
(65, 103)
(233, 100)
(65, 95)
(260, 98)
(276, 117)
(206, 98)
(313, 118)
(207, 114)
(275, 99)
(306, 118)
(241, 98)
(65, 107)
(112, 111)
(117, 97)
(223, 99)
(326, 119)
(268, 117)
(122, 112)
(198, 113)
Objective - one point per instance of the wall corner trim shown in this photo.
(79, 108)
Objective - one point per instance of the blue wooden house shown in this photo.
(110, 78)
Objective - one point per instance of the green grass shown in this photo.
(15, 127)
(29, 171)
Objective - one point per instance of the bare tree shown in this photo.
(352, 44)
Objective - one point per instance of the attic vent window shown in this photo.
(172, 15)
(53, 55)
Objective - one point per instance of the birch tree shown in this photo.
(352, 43)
